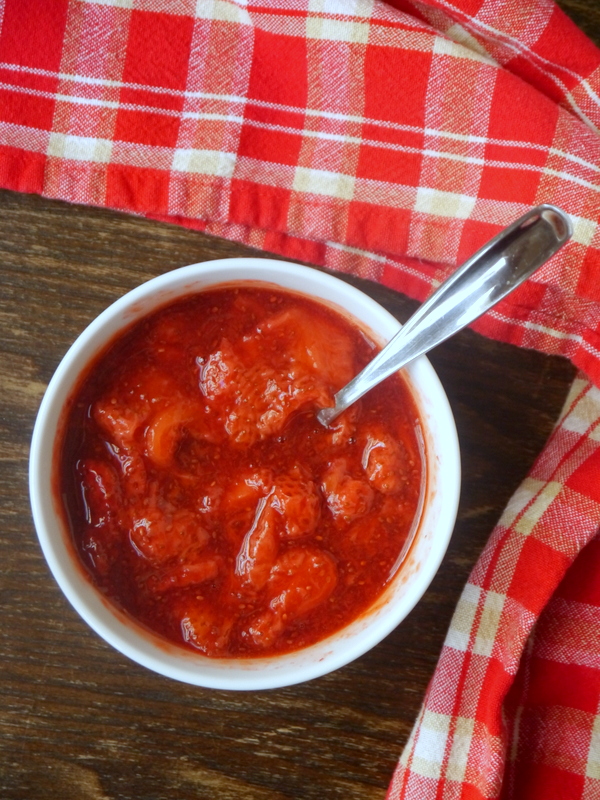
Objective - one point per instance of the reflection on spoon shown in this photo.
(493, 272)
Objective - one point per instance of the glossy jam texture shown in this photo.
(206, 500)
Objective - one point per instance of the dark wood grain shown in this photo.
(78, 720)
(585, 14)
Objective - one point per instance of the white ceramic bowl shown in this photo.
(404, 591)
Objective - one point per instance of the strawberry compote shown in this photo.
(204, 497)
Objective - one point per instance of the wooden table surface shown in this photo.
(78, 720)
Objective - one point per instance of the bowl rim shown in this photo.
(115, 627)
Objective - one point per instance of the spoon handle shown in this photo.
(495, 270)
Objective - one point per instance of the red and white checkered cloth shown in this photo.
(388, 140)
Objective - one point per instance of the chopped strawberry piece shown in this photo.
(219, 372)
(295, 498)
(101, 492)
(167, 428)
(259, 548)
(348, 498)
(119, 423)
(204, 627)
(189, 574)
(343, 429)
(248, 487)
(210, 503)
(102, 498)
(384, 462)
(121, 426)
(301, 580)
(261, 405)
(316, 349)
(162, 534)
(153, 381)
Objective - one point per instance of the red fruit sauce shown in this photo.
(203, 496)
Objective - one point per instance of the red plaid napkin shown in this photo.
(388, 140)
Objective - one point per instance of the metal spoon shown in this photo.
(493, 272)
